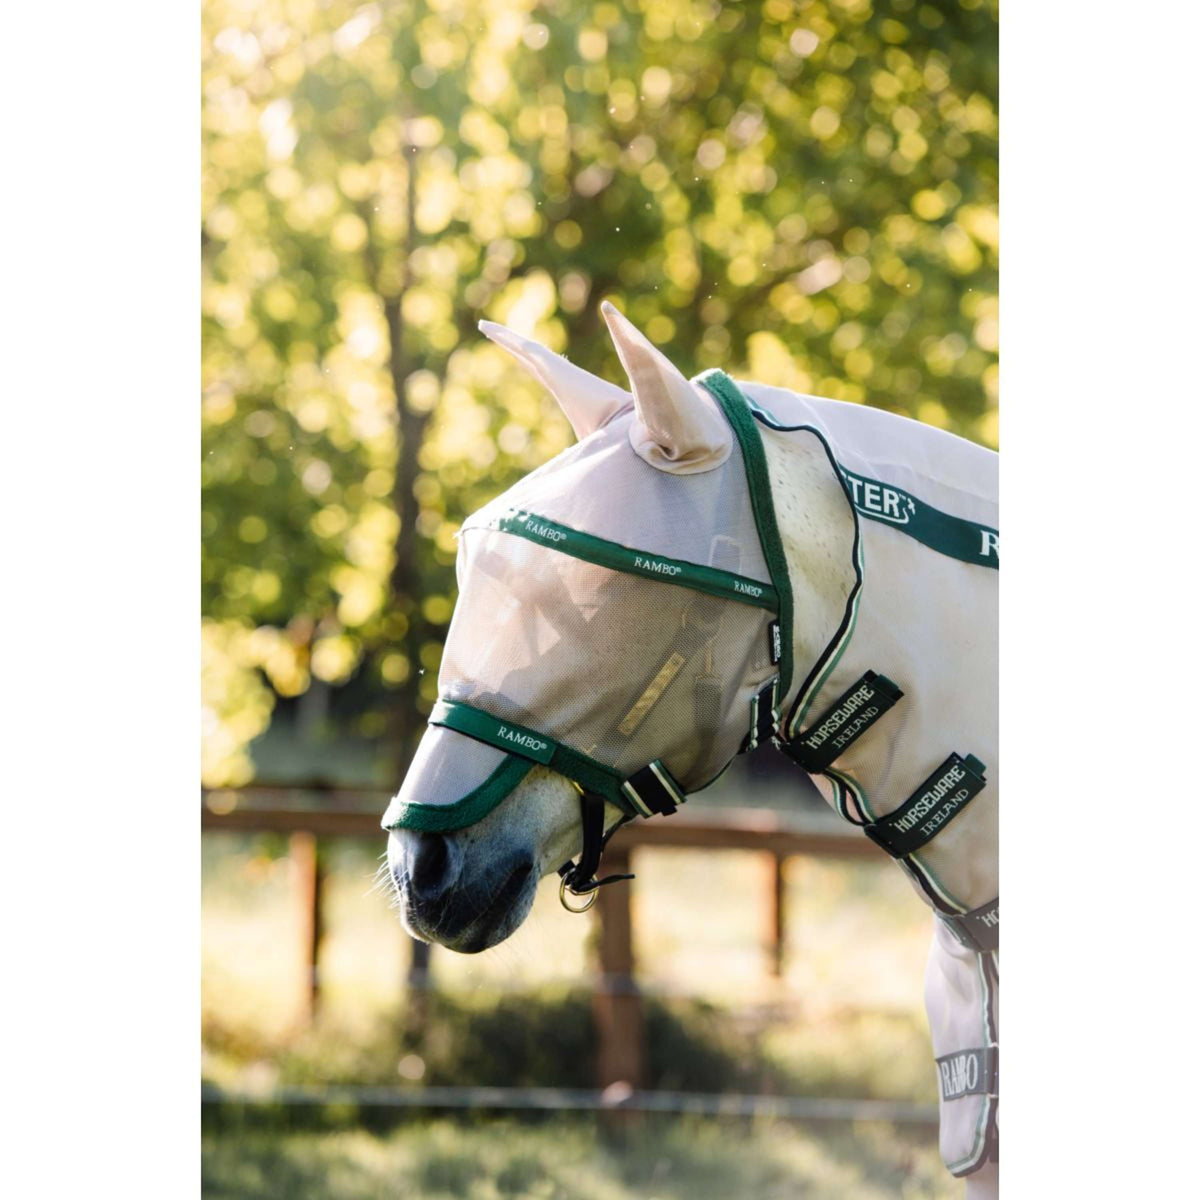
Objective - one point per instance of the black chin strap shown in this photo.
(580, 878)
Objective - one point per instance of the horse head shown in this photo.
(611, 615)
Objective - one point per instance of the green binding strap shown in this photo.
(525, 748)
(954, 537)
(474, 806)
(535, 747)
(504, 735)
(726, 585)
(737, 413)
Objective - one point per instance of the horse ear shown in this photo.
(588, 401)
(678, 427)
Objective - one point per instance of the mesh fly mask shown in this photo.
(634, 638)
(621, 667)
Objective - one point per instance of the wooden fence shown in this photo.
(616, 998)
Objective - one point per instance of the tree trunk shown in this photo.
(410, 431)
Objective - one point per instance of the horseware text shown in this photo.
(834, 722)
(940, 791)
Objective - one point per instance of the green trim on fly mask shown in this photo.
(474, 806)
(725, 585)
(524, 749)
(535, 747)
(741, 413)
(737, 412)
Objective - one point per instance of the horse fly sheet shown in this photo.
(678, 598)
(897, 723)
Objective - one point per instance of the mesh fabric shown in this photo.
(622, 668)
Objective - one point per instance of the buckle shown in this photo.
(764, 715)
(654, 791)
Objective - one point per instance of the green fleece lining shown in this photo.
(741, 413)
(726, 585)
(737, 413)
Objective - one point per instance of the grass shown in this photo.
(548, 1039)
(571, 1160)
(845, 1020)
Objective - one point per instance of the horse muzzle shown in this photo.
(444, 899)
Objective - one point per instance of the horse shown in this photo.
(711, 566)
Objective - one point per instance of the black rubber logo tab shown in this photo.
(978, 929)
(938, 800)
(776, 642)
(846, 720)
(971, 1072)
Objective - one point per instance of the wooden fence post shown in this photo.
(777, 913)
(617, 1003)
(307, 879)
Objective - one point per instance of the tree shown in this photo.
(802, 193)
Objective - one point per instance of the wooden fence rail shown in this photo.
(617, 1000)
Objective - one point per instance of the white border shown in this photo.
(1098, 420)
(101, 867)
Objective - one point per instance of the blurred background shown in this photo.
(802, 193)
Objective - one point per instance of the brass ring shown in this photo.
(562, 896)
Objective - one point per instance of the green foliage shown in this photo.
(802, 193)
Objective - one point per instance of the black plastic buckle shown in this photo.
(763, 717)
(653, 790)
(979, 929)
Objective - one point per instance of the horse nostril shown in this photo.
(429, 875)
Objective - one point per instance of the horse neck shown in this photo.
(817, 529)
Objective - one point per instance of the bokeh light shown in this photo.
(801, 193)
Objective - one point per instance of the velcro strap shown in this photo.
(938, 800)
(978, 929)
(843, 722)
(653, 790)
(764, 715)
(974, 1072)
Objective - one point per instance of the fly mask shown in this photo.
(616, 623)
